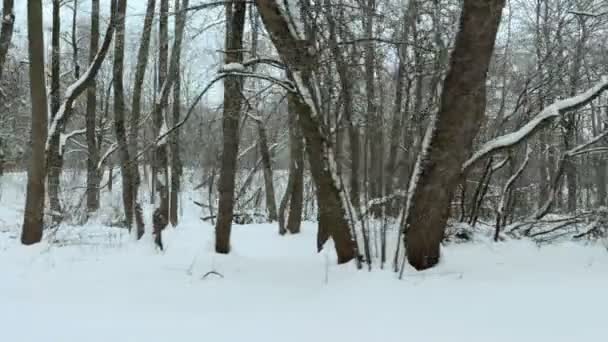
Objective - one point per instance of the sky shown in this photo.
(200, 51)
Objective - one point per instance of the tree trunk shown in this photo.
(160, 171)
(75, 40)
(271, 204)
(450, 136)
(33, 218)
(176, 164)
(133, 140)
(54, 154)
(93, 175)
(6, 33)
(119, 115)
(296, 172)
(347, 98)
(332, 201)
(374, 116)
(230, 126)
(398, 112)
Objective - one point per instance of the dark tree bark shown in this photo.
(332, 202)
(93, 174)
(176, 164)
(33, 218)
(451, 135)
(160, 171)
(6, 33)
(75, 40)
(296, 172)
(133, 139)
(271, 204)
(120, 128)
(230, 127)
(167, 75)
(55, 160)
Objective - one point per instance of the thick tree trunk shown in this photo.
(6, 33)
(449, 138)
(230, 127)
(33, 218)
(93, 175)
(119, 115)
(332, 201)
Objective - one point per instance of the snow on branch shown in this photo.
(64, 138)
(77, 88)
(588, 14)
(555, 110)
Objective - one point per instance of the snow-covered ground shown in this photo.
(94, 284)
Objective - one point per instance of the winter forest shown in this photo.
(298, 170)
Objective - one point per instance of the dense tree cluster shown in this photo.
(383, 116)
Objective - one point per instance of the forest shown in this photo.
(351, 152)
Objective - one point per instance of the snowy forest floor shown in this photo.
(93, 283)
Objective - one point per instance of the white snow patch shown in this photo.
(232, 67)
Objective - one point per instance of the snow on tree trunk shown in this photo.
(332, 202)
(451, 135)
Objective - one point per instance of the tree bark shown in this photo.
(271, 204)
(55, 160)
(6, 33)
(33, 218)
(296, 171)
(119, 116)
(450, 137)
(93, 174)
(332, 201)
(230, 126)
(133, 139)
(176, 164)
(347, 98)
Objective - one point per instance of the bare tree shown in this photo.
(133, 141)
(235, 16)
(449, 138)
(176, 163)
(333, 203)
(93, 174)
(120, 127)
(55, 159)
(33, 218)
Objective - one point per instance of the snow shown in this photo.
(289, 9)
(95, 284)
(233, 67)
(163, 133)
(554, 110)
